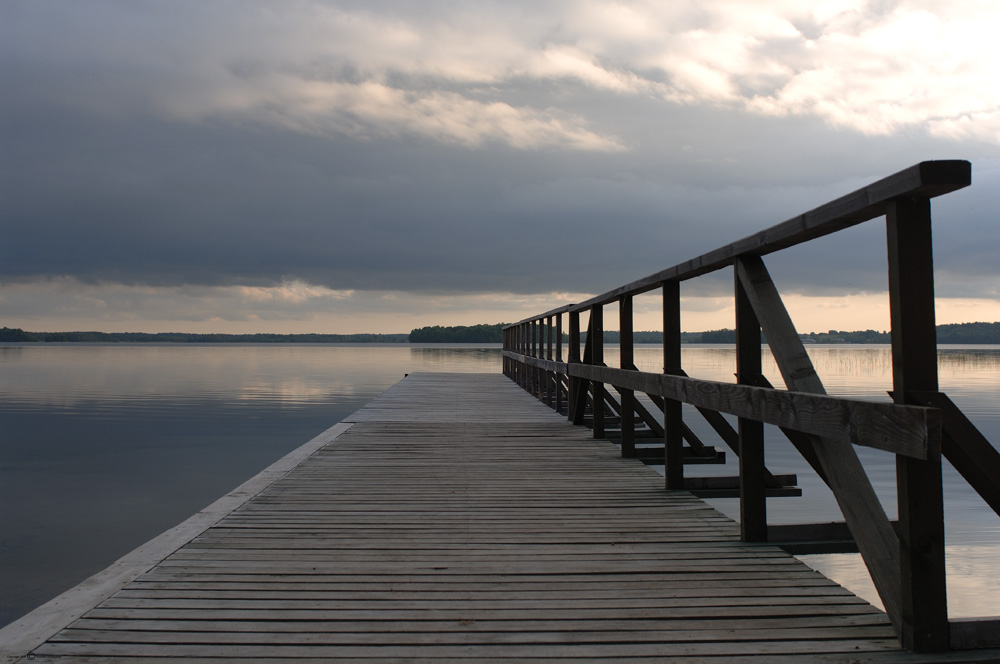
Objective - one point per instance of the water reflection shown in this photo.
(63, 375)
(969, 375)
(105, 446)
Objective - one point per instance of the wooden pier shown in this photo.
(458, 519)
(922, 428)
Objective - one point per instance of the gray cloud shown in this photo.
(515, 148)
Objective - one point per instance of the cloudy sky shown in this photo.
(311, 166)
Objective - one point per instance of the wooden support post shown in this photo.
(914, 367)
(559, 358)
(509, 345)
(583, 389)
(575, 384)
(533, 325)
(627, 353)
(837, 461)
(539, 353)
(673, 424)
(595, 338)
(526, 350)
(753, 498)
(515, 340)
(506, 335)
(549, 394)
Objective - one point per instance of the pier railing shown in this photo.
(906, 559)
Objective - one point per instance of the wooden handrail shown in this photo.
(912, 431)
(906, 561)
(927, 179)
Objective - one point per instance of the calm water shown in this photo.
(103, 447)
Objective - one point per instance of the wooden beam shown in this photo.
(654, 455)
(799, 440)
(733, 482)
(926, 179)
(627, 358)
(842, 469)
(918, 483)
(753, 503)
(910, 430)
(550, 395)
(686, 432)
(673, 423)
(595, 339)
(902, 429)
(807, 532)
(577, 388)
(778, 492)
(560, 392)
(814, 538)
(975, 633)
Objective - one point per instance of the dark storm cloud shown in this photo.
(373, 147)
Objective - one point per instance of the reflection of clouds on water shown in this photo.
(457, 358)
(90, 432)
(973, 583)
(78, 375)
(165, 406)
(969, 375)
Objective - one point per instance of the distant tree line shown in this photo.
(458, 334)
(969, 333)
(16, 335)
(956, 333)
(861, 337)
(953, 333)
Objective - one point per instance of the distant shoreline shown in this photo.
(955, 333)
(16, 335)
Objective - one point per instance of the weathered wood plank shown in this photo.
(431, 537)
(920, 498)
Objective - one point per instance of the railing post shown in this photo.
(673, 440)
(559, 358)
(914, 367)
(525, 383)
(627, 353)
(575, 384)
(596, 338)
(549, 395)
(506, 347)
(512, 346)
(753, 499)
(534, 353)
(518, 369)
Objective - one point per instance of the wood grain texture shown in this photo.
(902, 429)
(919, 491)
(842, 470)
(460, 519)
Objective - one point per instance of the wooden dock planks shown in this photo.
(460, 520)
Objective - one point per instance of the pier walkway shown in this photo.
(456, 518)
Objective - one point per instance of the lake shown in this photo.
(103, 447)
